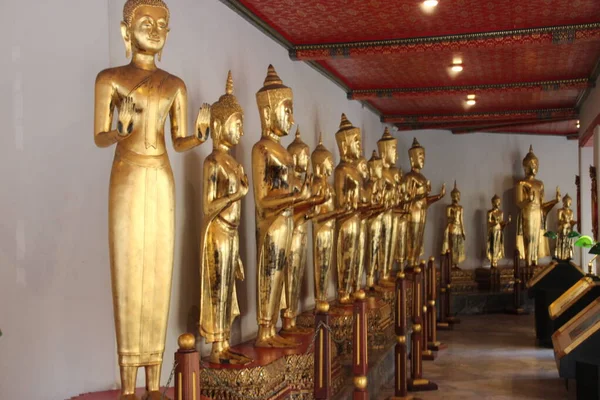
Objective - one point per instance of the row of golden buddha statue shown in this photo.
(370, 202)
(532, 243)
(372, 217)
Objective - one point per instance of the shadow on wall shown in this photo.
(188, 287)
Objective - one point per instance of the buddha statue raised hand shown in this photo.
(417, 190)
(142, 193)
(531, 222)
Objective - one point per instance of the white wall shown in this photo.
(484, 165)
(55, 302)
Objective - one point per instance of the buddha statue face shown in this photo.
(279, 119)
(567, 202)
(389, 152)
(350, 146)
(324, 167)
(531, 167)
(301, 159)
(417, 158)
(146, 30)
(496, 202)
(363, 168)
(455, 196)
(376, 169)
(233, 130)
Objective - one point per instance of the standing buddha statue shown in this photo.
(531, 222)
(272, 170)
(141, 210)
(323, 222)
(388, 150)
(417, 188)
(348, 185)
(225, 185)
(564, 244)
(454, 235)
(495, 232)
(296, 264)
(375, 191)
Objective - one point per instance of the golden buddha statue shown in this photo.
(417, 190)
(225, 184)
(374, 188)
(388, 150)
(564, 244)
(364, 212)
(531, 221)
(495, 232)
(296, 265)
(454, 235)
(323, 221)
(348, 185)
(142, 194)
(272, 170)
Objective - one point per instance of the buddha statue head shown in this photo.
(300, 153)
(363, 167)
(455, 194)
(375, 166)
(567, 201)
(226, 118)
(275, 105)
(530, 163)
(322, 160)
(145, 27)
(496, 201)
(348, 140)
(388, 149)
(416, 154)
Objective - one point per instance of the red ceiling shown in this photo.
(406, 73)
(337, 21)
(526, 63)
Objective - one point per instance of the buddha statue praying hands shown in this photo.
(564, 243)
(454, 235)
(324, 222)
(141, 213)
(348, 186)
(417, 189)
(225, 185)
(531, 222)
(272, 173)
(296, 265)
(495, 232)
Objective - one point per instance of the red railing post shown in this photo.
(322, 375)
(187, 369)
(359, 356)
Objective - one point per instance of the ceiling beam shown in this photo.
(509, 122)
(539, 114)
(514, 38)
(542, 86)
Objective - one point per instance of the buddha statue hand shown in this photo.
(558, 194)
(126, 117)
(306, 192)
(443, 192)
(203, 122)
(244, 185)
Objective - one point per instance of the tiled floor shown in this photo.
(492, 357)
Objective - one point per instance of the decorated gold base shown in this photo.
(275, 374)
(380, 329)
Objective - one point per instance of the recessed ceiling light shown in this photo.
(578, 124)
(430, 3)
(471, 102)
(471, 96)
(457, 67)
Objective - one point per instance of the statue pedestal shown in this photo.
(380, 320)
(114, 394)
(273, 375)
